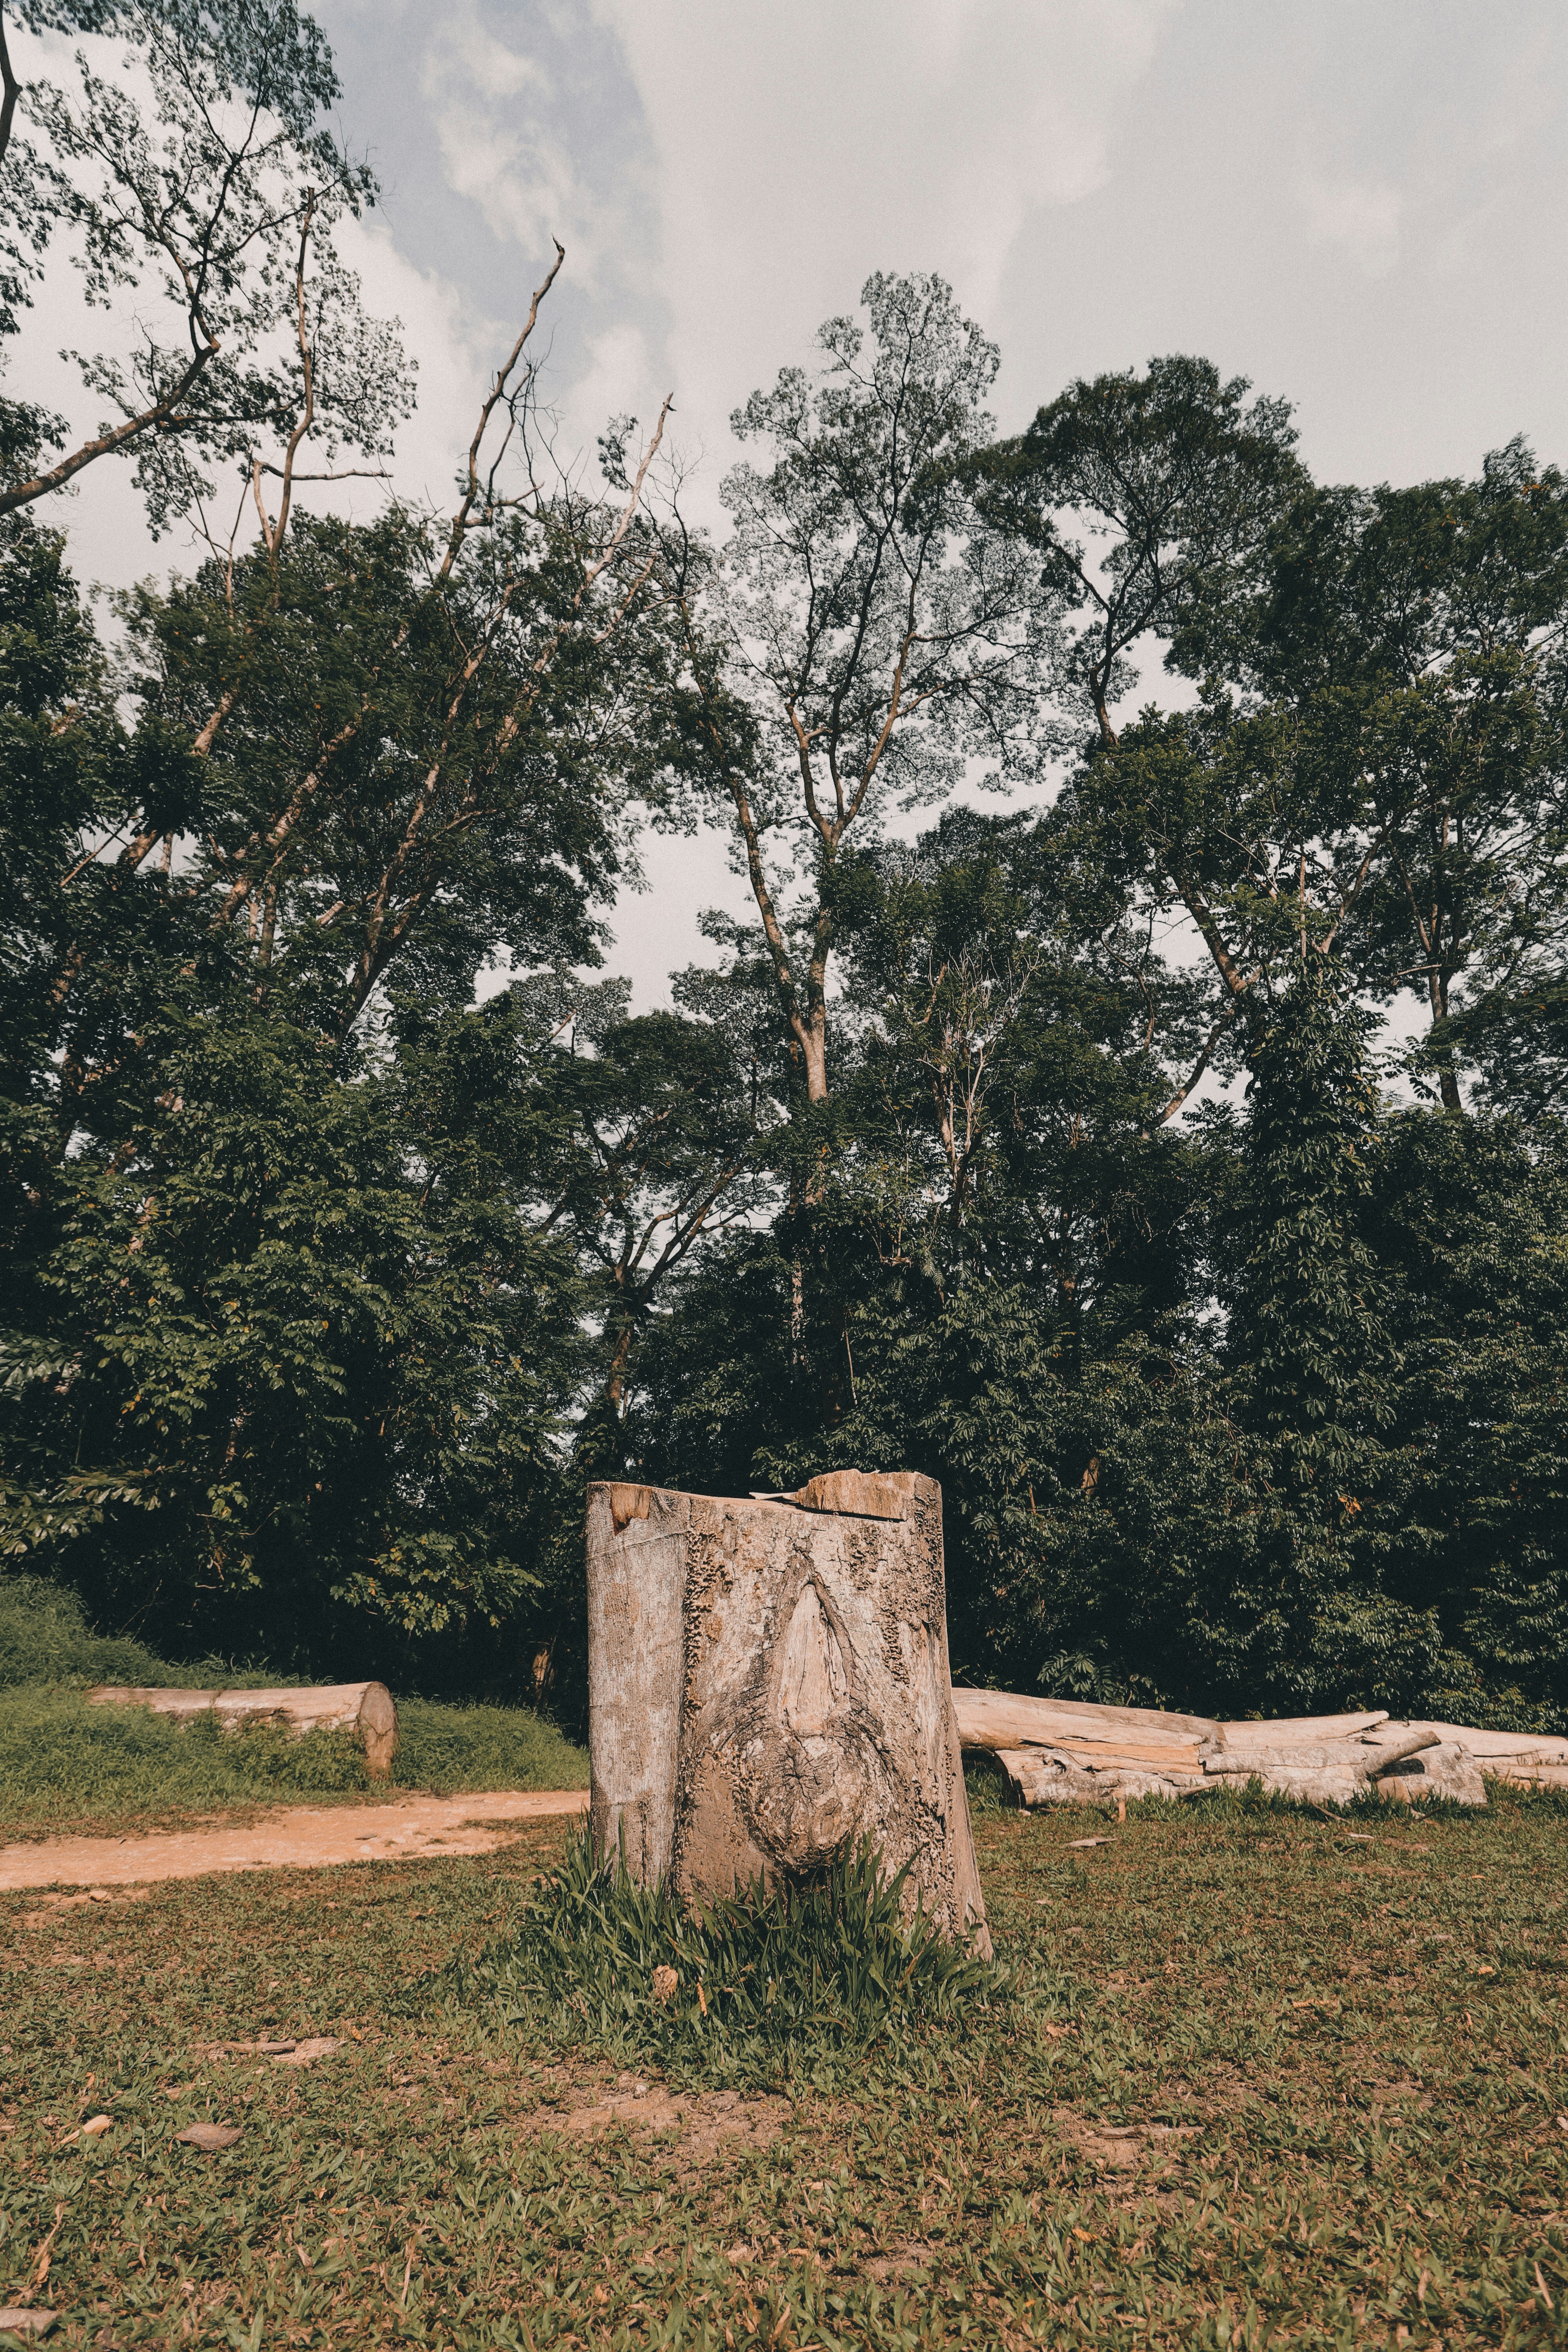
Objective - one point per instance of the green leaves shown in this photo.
(300, 1385)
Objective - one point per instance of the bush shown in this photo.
(44, 1638)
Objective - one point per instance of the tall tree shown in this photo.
(865, 635)
(206, 209)
(1147, 498)
(1424, 634)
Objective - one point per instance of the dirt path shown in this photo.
(305, 1836)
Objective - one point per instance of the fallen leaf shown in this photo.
(305, 2053)
(91, 2130)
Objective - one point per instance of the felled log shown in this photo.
(1367, 1756)
(1529, 1774)
(1441, 1770)
(768, 1683)
(990, 1719)
(364, 1710)
(1052, 1776)
(1073, 1752)
(1283, 1728)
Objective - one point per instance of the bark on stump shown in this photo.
(768, 1682)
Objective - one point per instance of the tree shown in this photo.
(1466, 1223)
(372, 756)
(285, 1361)
(865, 634)
(1174, 479)
(655, 1159)
(1425, 632)
(224, 195)
(289, 1340)
(1375, 759)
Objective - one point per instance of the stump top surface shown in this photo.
(844, 1494)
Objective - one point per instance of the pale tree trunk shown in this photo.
(768, 1684)
(364, 1710)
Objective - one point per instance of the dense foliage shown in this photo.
(1171, 1164)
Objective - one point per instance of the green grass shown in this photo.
(1340, 2046)
(759, 1987)
(45, 1638)
(68, 1767)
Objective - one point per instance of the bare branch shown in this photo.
(160, 414)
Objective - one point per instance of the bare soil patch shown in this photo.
(701, 2124)
(409, 1829)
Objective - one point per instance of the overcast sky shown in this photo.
(1357, 204)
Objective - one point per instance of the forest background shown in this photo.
(1170, 1163)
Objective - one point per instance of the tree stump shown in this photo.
(768, 1683)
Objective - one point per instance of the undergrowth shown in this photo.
(65, 1764)
(762, 1985)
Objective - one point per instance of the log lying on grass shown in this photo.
(768, 1682)
(364, 1710)
(1061, 1751)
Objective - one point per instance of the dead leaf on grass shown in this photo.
(914, 2254)
(302, 2052)
(208, 2138)
(305, 2053)
(94, 2128)
(51, 1905)
(1118, 2147)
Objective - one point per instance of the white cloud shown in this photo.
(1363, 216)
(799, 148)
(510, 141)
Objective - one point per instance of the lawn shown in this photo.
(68, 1768)
(1262, 2078)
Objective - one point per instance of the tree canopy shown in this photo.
(1137, 1101)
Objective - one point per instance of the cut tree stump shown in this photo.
(768, 1684)
(364, 1710)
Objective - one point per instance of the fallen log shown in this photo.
(1318, 1755)
(1047, 1776)
(1519, 1769)
(1442, 1770)
(364, 1710)
(1288, 1727)
(1499, 1747)
(994, 1719)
